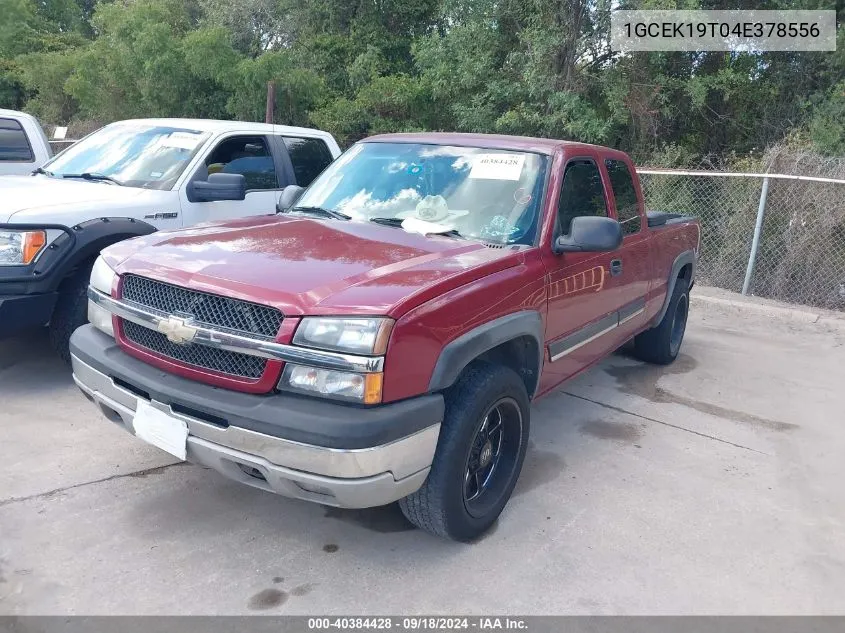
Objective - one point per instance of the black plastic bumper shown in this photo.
(290, 417)
(23, 312)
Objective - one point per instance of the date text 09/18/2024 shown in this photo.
(418, 623)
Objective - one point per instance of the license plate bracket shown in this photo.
(161, 429)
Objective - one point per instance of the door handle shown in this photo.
(615, 267)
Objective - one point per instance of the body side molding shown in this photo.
(594, 330)
(590, 332)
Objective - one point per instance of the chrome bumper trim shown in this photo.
(399, 459)
(235, 343)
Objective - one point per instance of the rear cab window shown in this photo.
(627, 204)
(582, 194)
(14, 145)
(310, 156)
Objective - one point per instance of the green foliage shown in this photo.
(827, 125)
(297, 89)
(536, 67)
(396, 103)
(12, 89)
(45, 76)
(136, 67)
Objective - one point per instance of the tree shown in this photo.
(537, 67)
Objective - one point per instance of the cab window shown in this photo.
(310, 156)
(581, 194)
(246, 155)
(627, 205)
(14, 146)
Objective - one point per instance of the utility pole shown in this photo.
(271, 102)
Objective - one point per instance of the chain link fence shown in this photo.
(798, 254)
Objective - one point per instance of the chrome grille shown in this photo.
(241, 317)
(223, 361)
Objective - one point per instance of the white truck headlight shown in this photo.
(340, 385)
(102, 279)
(19, 248)
(350, 335)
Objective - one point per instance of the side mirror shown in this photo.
(218, 187)
(288, 197)
(590, 234)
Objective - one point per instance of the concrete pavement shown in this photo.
(713, 486)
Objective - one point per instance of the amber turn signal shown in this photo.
(33, 242)
(372, 388)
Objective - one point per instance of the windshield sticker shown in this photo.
(497, 166)
(522, 196)
(181, 140)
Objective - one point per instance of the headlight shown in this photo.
(102, 279)
(19, 248)
(348, 335)
(341, 385)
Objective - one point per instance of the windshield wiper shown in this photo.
(450, 233)
(398, 222)
(326, 213)
(40, 170)
(92, 176)
(388, 221)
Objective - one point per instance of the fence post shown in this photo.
(755, 242)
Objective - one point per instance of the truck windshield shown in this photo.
(134, 155)
(487, 194)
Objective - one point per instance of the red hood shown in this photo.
(311, 266)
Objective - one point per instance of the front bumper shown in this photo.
(329, 453)
(22, 312)
(28, 293)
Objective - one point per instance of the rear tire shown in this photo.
(661, 344)
(479, 455)
(71, 311)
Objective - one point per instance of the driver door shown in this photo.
(584, 295)
(258, 160)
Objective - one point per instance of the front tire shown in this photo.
(71, 311)
(661, 344)
(479, 455)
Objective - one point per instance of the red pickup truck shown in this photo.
(381, 338)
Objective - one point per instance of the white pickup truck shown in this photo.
(23, 144)
(131, 178)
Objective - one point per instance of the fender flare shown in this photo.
(459, 353)
(687, 257)
(83, 241)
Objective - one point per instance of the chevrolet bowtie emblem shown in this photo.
(177, 330)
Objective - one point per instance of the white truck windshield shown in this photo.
(134, 155)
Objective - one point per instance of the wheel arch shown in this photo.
(683, 268)
(84, 241)
(514, 340)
